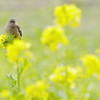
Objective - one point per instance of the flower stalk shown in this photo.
(18, 78)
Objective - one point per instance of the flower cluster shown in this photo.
(17, 50)
(92, 63)
(54, 36)
(38, 90)
(2, 40)
(68, 15)
(65, 15)
(64, 74)
(5, 40)
(4, 94)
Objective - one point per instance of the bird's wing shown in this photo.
(19, 30)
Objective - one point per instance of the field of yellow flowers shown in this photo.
(54, 62)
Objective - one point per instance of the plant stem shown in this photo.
(18, 77)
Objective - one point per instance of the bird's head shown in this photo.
(12, 20)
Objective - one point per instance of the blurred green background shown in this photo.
(33, 16)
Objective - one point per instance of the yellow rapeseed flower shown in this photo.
(2, 39)
(4, 94)
(29, 90)
(38, 90)
(59, 75)
(71, 74)
(92, 63)
(64, 74)
(16, 50)
(68, 15)
(53, 36)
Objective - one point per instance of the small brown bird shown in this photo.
(13, 29)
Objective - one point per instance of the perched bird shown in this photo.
(13, 29)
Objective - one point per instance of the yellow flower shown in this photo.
(53, 36)
(59, 75)
(64, 74)
(92, 64)
(38, 90)
(4, 94)
(68, 15)
(72, 74)
(29, 90)
(16, 50)
(2, 39)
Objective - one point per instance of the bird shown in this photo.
(13, 29)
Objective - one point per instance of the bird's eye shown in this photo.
(12, 21)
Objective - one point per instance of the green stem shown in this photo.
(19, 72)
(18, 78)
